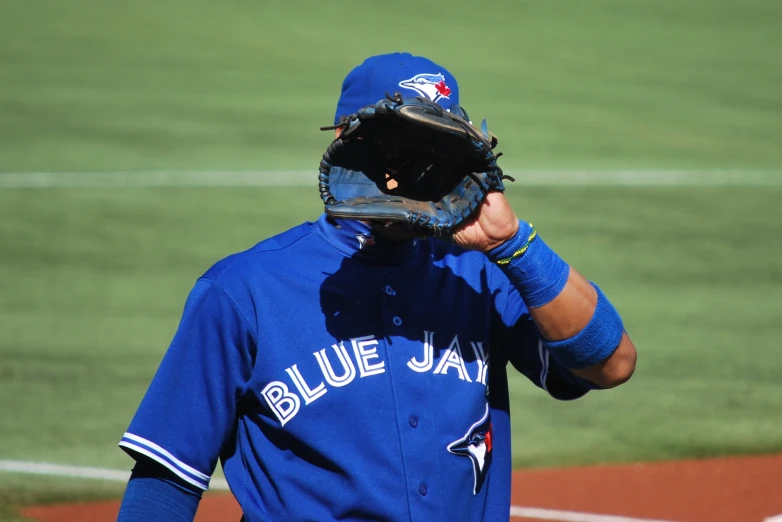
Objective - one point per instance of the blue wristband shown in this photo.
(535, 270)
(595, 343)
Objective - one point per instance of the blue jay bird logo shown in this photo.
(365, 240)
(477, 445)
(430, 86)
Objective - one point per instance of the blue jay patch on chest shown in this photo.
(477, 446)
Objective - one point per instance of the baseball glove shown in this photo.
(409, 165)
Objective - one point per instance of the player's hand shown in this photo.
(496, 223)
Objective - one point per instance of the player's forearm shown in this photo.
(568, 314)
(579, 326)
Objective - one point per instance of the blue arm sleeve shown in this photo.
(154, 493)
(189, 410)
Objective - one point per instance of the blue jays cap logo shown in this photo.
(430, 86)
(476, 444)
(377, 75)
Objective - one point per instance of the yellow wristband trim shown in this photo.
(520, 252)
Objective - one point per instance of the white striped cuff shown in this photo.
(148, 448)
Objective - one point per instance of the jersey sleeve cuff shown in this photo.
(134, 444)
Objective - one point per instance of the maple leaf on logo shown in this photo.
(443, 89)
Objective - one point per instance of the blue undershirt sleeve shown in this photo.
(155, 493)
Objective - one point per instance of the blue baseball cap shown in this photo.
(404, 73)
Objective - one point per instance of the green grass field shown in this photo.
(92, 280)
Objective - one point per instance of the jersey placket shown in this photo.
(412, 398)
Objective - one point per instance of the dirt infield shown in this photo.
(747, 489)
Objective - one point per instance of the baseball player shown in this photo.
(339, 371)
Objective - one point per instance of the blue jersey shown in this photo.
(337, 375)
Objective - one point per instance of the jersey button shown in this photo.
(422, 489)
(390, 290)
(397, 321)
(413, 421)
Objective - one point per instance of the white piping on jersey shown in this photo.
(165, 463)
(544, 366)
(162, 451)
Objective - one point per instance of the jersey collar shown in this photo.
(356, 239)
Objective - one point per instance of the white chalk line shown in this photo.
(60, 470)
(308, 178)
(571, 516)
